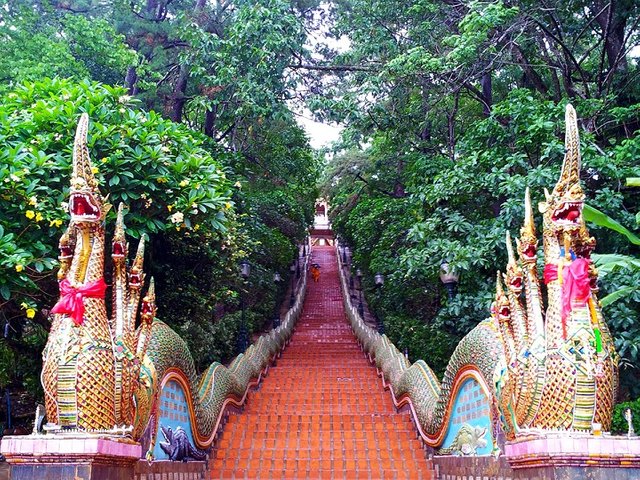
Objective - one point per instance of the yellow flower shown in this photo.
(31, 313)
(184, 183)
(55, 223)
(33, 201)
(196, 227)
(19, 267)
(169, 207)
(94, 170)
(227, 205)
(38, 217)
(30, 214)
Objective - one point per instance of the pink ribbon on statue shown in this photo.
(550, 273)
(72, 301)
(575, 285)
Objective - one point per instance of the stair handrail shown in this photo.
(390, 362)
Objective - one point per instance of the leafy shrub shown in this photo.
(158, 168)
(155, 166)
(619, 425)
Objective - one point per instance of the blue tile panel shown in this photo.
(173, 413)
(471, 406)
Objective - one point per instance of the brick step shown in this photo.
(316, 419)
(326, 474)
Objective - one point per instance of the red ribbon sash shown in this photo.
(72, 300)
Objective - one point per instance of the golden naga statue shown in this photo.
(536, 370)
(562, 368)
(91, 363)
(101, 374)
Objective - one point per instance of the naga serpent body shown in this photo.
(104, 374)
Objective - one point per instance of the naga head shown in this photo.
(502, 306)
(513, 276)
(136, 275)
(86, 205)
(119, 244)
(528, 242)
(148, 308)
(563, 207)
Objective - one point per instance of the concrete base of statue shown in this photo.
(78, 457)
(574, 456)
(561, 456)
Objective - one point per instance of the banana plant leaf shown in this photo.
(601, 219)
(607, 262)
(633, 182)
(617, 295)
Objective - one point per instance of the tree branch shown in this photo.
(332, 68)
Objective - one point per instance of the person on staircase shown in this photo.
(315, 272)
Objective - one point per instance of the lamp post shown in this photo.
(449, 277)
(360, 305)
(243, 336)
(292, 299)
(379, 282)
(276, 309)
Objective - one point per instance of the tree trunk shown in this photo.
(451, 120)
(487, 93)
(531, 76)
(210, 121)
(613, 27)
(179, 98)
(131, 80)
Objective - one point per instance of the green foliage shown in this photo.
(7, 362)
(41, 42)
(459, 209)
(156, 167)
(244, 190)
(421, 341)
(619, 424)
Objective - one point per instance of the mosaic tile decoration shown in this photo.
(471, 406)
(173, 412)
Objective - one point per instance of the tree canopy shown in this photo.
(451, 110)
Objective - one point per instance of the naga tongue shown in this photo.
(573, 215)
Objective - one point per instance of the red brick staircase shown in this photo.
(322, 412)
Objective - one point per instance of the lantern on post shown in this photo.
(449, 277)
(378, 280)
(243, 336)
(276, 309)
